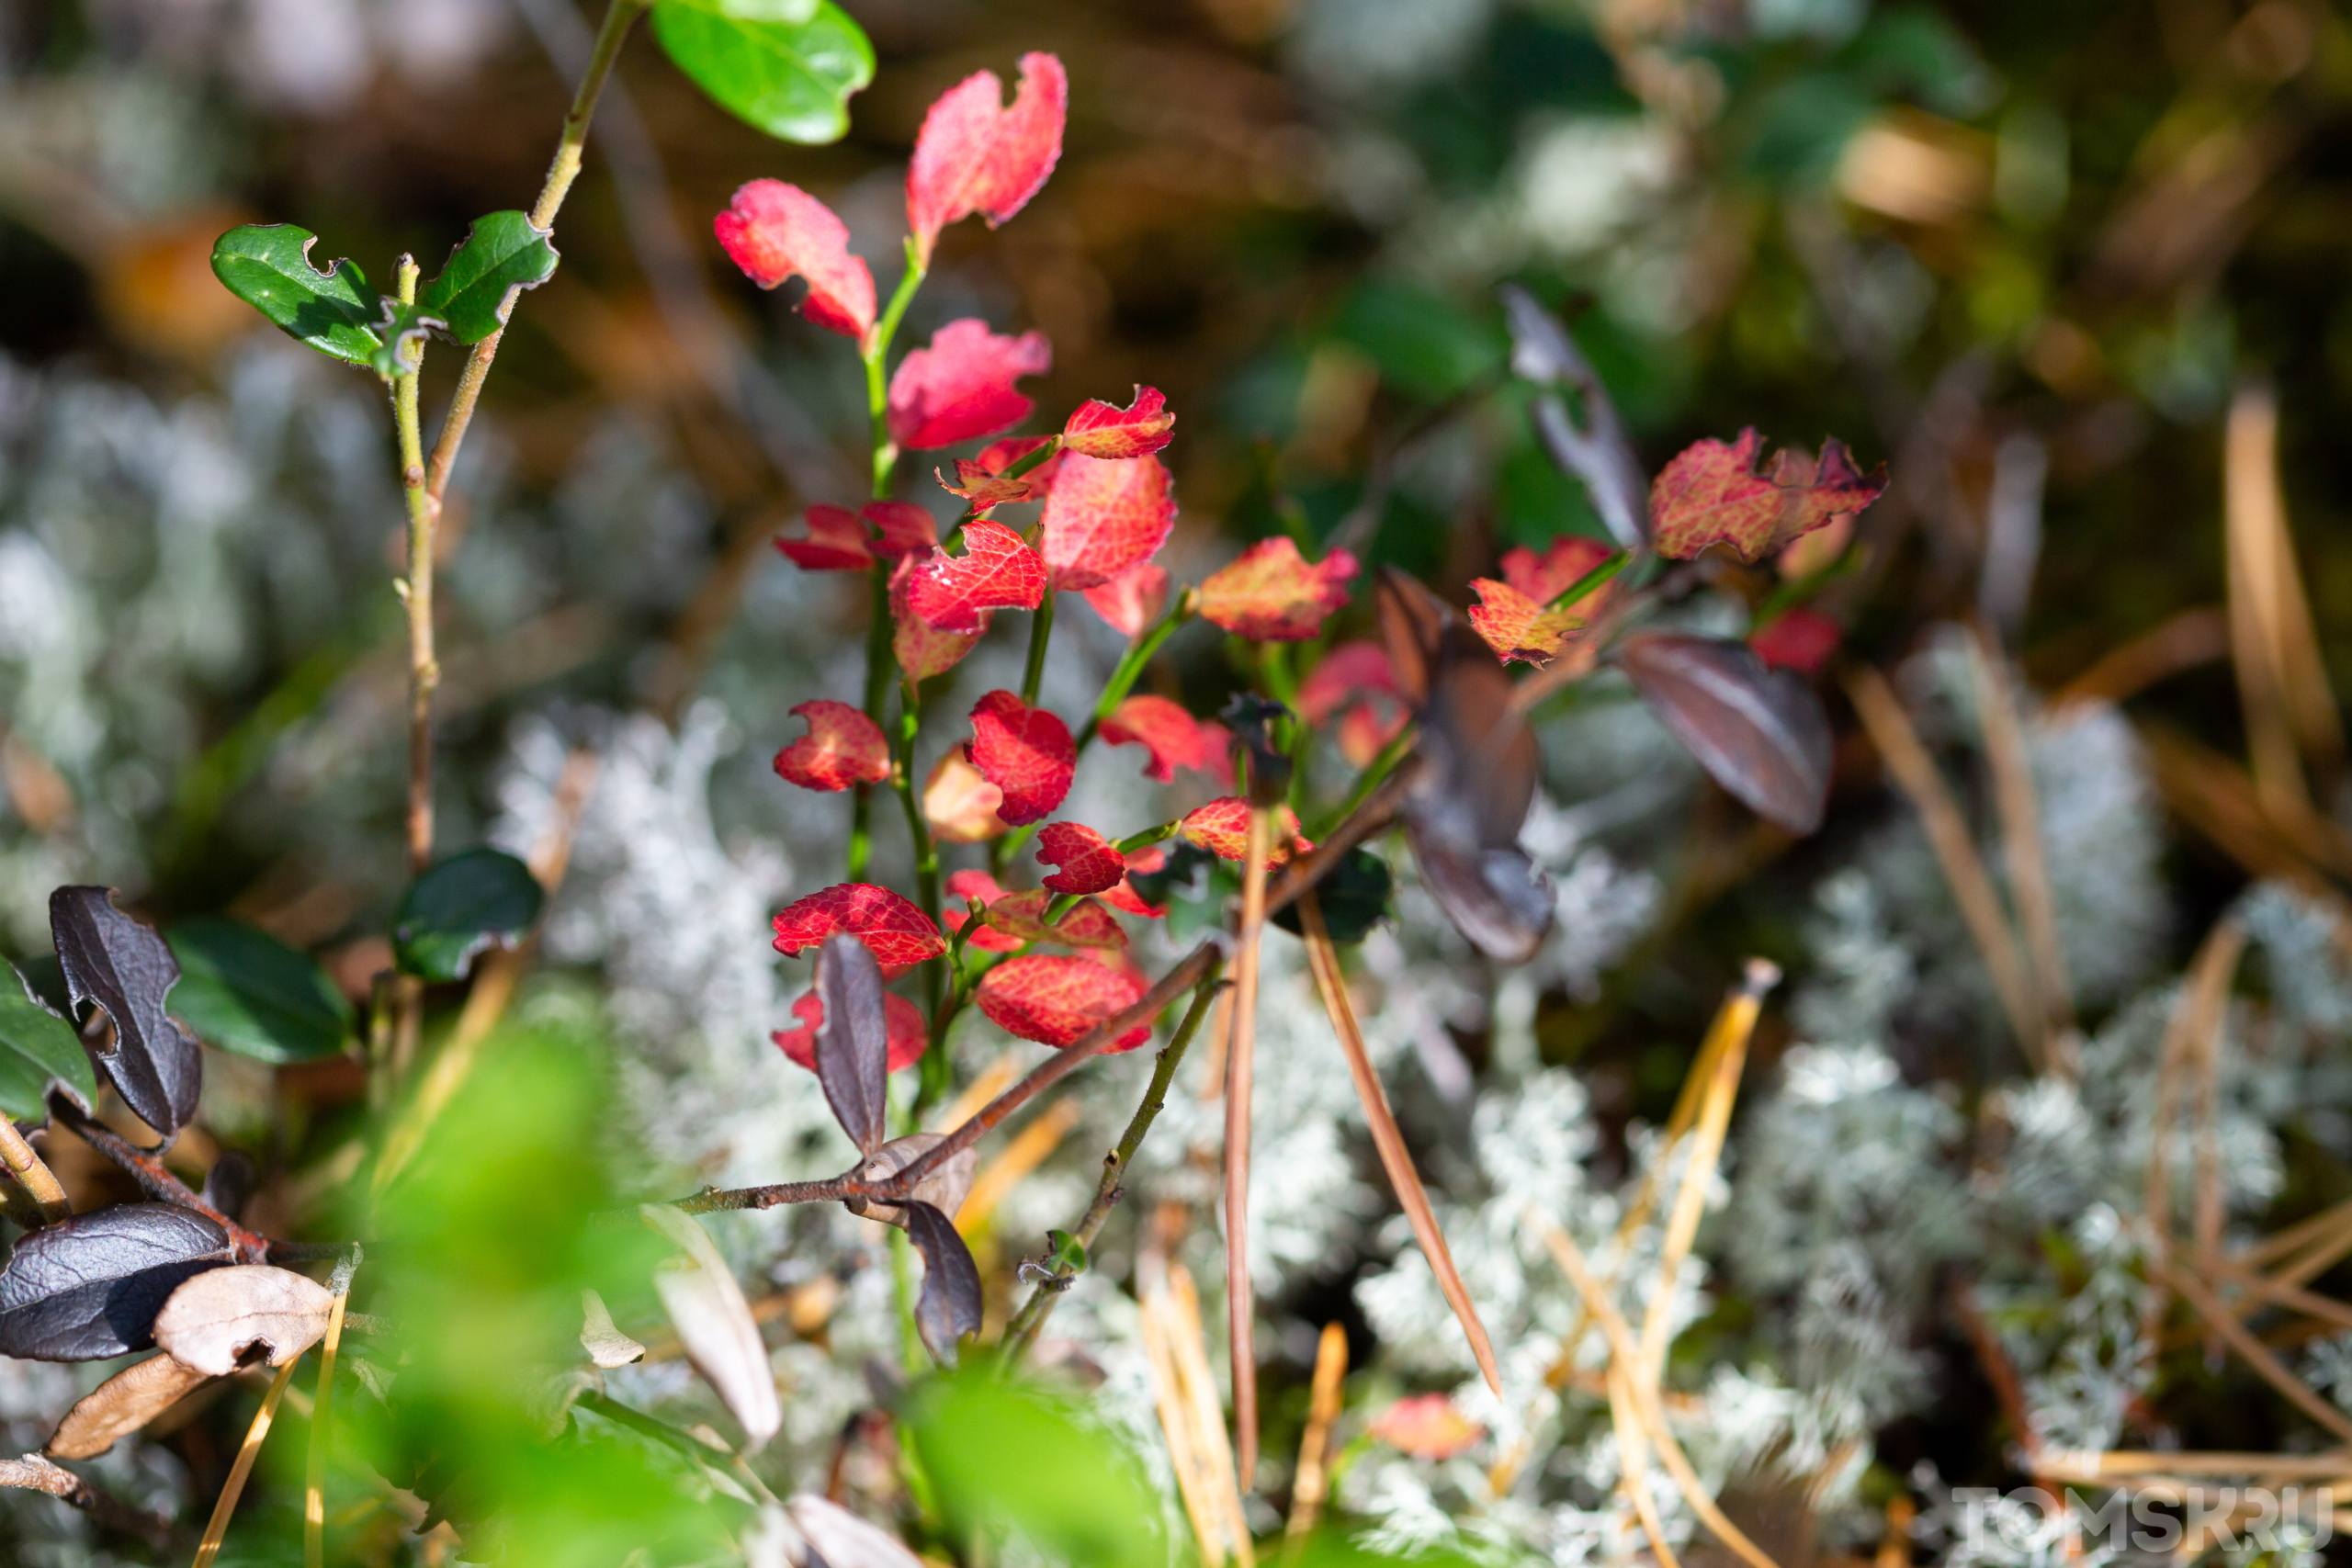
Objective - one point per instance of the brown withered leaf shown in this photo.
(1759, 733)
(949, 1305)
(715, 1324)
(944, 1188)
(216, 1319)
(122, 1405)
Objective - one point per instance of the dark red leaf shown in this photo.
(1088, 863)
(1024, 751)
(897, 932)
(843, 748)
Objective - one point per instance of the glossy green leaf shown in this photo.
(268, 266)
(244, 990)
(1353, 899)
(460, 906)
(792, 80)
(402, 329)
(500, 256)
(36, 1046)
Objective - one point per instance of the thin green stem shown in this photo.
(416, 591)
(1041, 632)
(881, 661)
(1376, 772)
(1022, 1332)
(1132, 665)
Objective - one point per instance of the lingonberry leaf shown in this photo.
(244, 990)
(124, 969)
(1097, 429)
(843, 747)
(1800, 638)
(922, 649)
(1710, 493)
(910, 1036)
(961, 387)
(212, 1321)
(1271, 594)
(89, 1287)
(773, 230)
(1021, 917)
(1760, 733)
(974, 154)
(1222, 827)
(949, 1304)
(1132, 600)
(979, 884)
(715, 1328)
(893, 930)
(268, 266)
(1103, 517)
(997, 570)
(1088, 863)
(1024, 751)
(1519, 629)
(853, 1041)
(1546, 577)
(1174, 737)
(782, 65)
(1057, 1000)
(36, 1048)
(461, 906)
(836, 541)
(500, 256)
(959, 803)
(1353, 899)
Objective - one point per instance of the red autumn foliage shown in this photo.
(895, 932)
(1024, 751)
(1124, 898)
(842, 540)
(1271, 594)
(1132, 600)
(773, 230)
(974, 154)
(1057, 1000)
(1088, 863)
(1096, 429)
(970, 885)
(958, 803)
(1103, 517)
(922, 650)
(962, 385)
(1801, 639)
(997, 571)
(1174, 737)
(843, 748)
(1519, 629)
(908, 1036)
(1426, 1426)
(1546, 577)
(1354, 682)
(1021, 917)
(1710, 493)
(1222, 827)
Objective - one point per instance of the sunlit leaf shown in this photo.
(1026, 752)
(843, 747)
(1057, 1000)
(1103, 518)
(791, 79)
(961, 386)
(910, 1035)
(1097, 429)
(244, 990)
(500, 256)
(893, 930)
(90, 1287)
(975, 155)
(1088, 863)
(214, 1320)
(113, 963)
(715, 1324)
(1173, 738)
(1272, 594)
(460, 906)
(773, 232)
(121, 1405)
(36, 1048)
(998, 570)
(268, 266)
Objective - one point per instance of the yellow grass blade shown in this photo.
(231, 1489)
(2020, 814)
(1239, 1058)
(1310, 1483)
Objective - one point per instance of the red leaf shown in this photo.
(968, 884)
(1095, 429)
(980, 480)
(773, 230)
(922, 649)
(905, 527)
(1366, 729)
(1024, 751)
(1105, 516)
(836, 542)
(959, 803)
(910, 1036)
(1058, 1000)
(1088, 863)
(1801, 639)
(996, 571)
(1216, 740)
(895, 932)
(1427, 1427)
(1348, 672)
(1222, 827)
(1172, 736)
(1021, 917)
(1132, 600)
(976, 155)
(1710, 494)
(961, 386)
(1546, 577)
(1519, 628)
(1271, 594)
(843, 748)
(1124, 898)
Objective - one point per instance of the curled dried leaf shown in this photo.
(217, 1319)
(121, 1405)
(949, 1306)
(715, 1324)
(944, 1188)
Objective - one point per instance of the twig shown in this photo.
(1999, 1371)
(1239, 1058)
(35, 1472)
(149, 1172)
(234, 1488)
(33, 1174)
(1022, 1333)
(2188, 639)
(1310, 1481)
(2275, 1292)
(1323, 960)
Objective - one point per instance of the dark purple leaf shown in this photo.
(91, 1287)
(1760, 733)
(853, 1042)
(1475, 777)
(949, 1308)
(230, 1182)
(123, 968)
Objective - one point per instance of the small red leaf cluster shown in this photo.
(962, 385)
(842, 540)
(1354, 682)
(1174, 737)
(1222, 827)
(908, 1036)
(1026, 752)
(1515, 616)
(897, 932)
(843, 748)
(1712, 494)
(1271, 594)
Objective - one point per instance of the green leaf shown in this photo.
(460, 906)
(402, 329)
(792, 80)
(36, 1046)
(500, 256)
(268, 266)
(244, 990)
(1068, 1252)
(1353, 899)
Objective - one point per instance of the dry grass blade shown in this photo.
(1999, 1371)
(1394, 1158)
(1240, 1051)
(315, 1480)
(1633, 1460)
(1647, 1408)
(2012, 797)
(2213, 795)
(2285, 1242)
(2196, 1020)
(2188, 639)
(1029, 1149)
(1310, 1482)
(30, 1172)
(2089, 1469)
(2271, 1292)
(1191, 1420)
(2282, 682)
(994, 1079)
(2257, 1354)
(2322, 1256)
(1980, 907)
(231, 1489)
